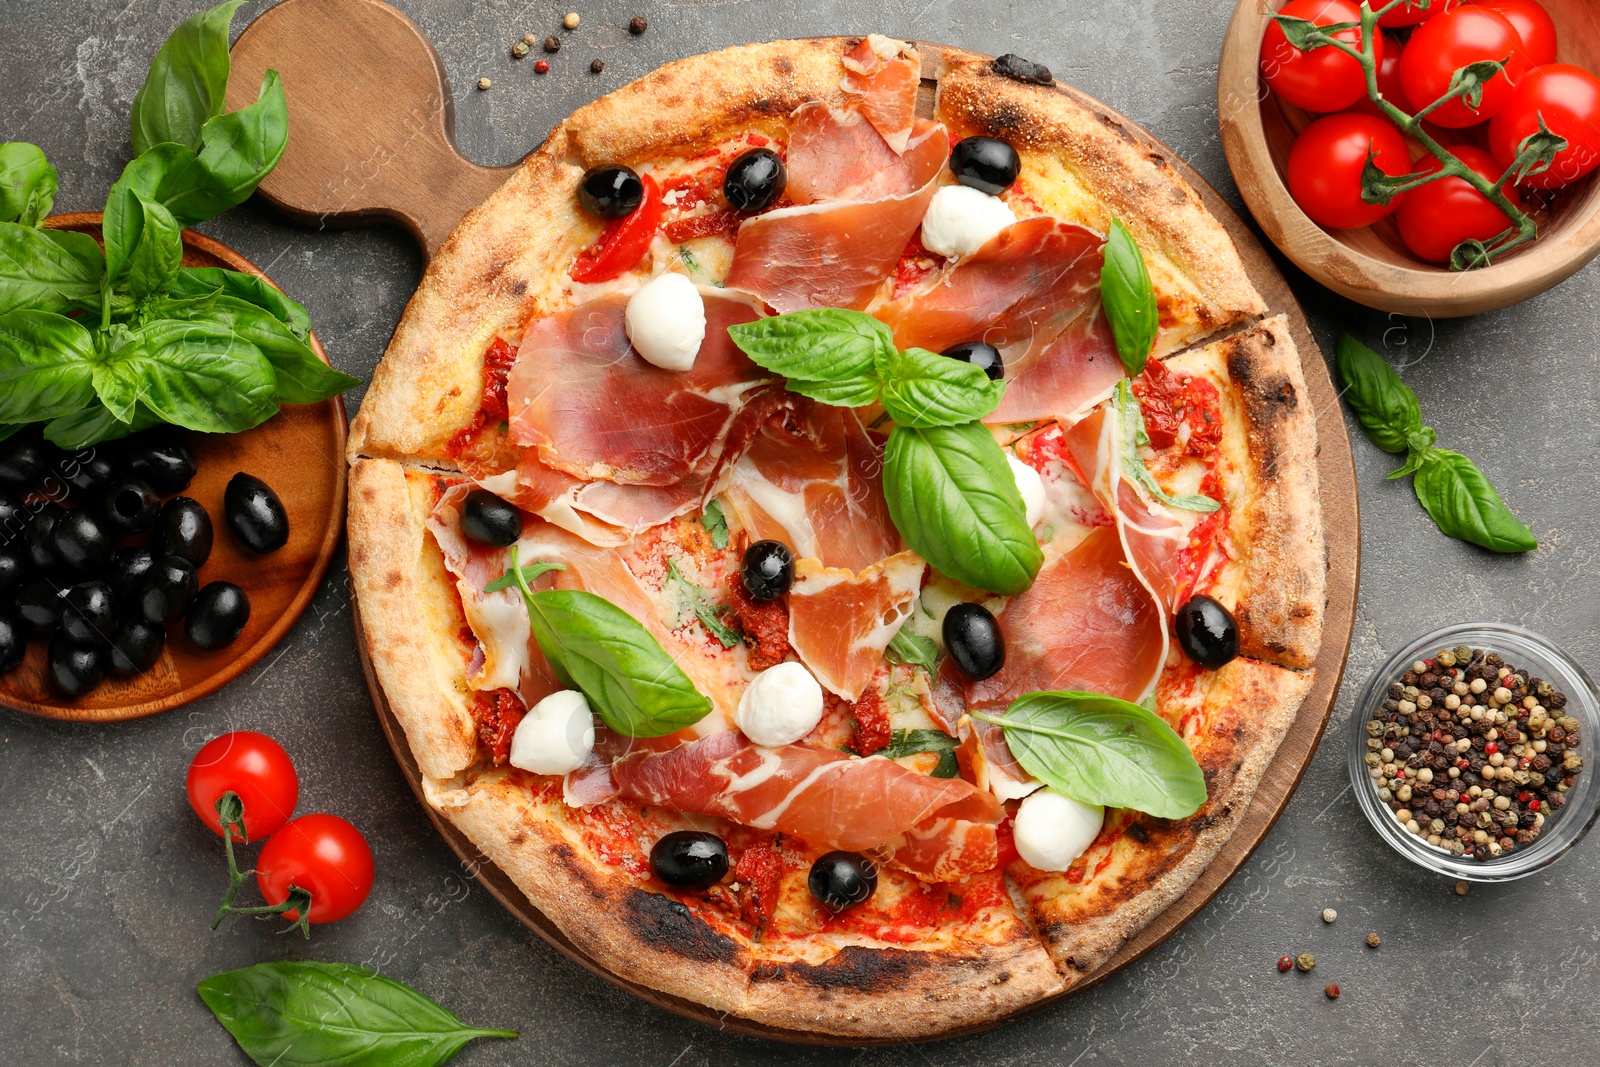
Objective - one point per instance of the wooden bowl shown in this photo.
(299, 452)
(1371, 265)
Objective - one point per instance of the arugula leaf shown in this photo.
(187, 82)
(45, 270)
(709, 614)
(198, 375)
(1131, 432)
(27, 183)
(46, 366)
(922, 388)
(529, 573)
(240, 148)
(903, 743)
(716, 524)
(1464, 505)
(302, 378)
(1100, 750)
(144, 243)
(913, 649)
(95, 424)
(210, 281)
(829, 354)
(1384, 405)
(1128, 297)
(306, 1014)
(953, 498)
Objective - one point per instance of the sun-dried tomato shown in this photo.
(872, 724)
(765, 626)
(759, 873)
(497, 714)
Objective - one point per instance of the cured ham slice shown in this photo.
(596, 410)
(938, 828)
(1085, 623)
(814, 480)
(881, 76)
(1033, 291)
(836, 154)
(840, 621)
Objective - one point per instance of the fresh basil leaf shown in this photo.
(1464, 505)
(209, 281)
(44, 271)
(529, 573)
(187, 82)
(903, 743)
(709, 614)
(922, 388)
(171, 175)
(195, 374)
(144, 243)
(46, 366)
(306, 1014)
(302, 378)
(913, 649)
(596, 647)
(1132, 434)
(1384, 405)
(953, 498)
(1129, 298)
(819, 345)
(240, 148)
(716, 524)
(1100, 750)
(27, 183)
(95, 424)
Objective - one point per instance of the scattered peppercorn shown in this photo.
(484, 83)
(541, 67)
(519, 50)
(1284, 963)
(1331, 991)
(598, 65)
(571, 21)
(1305, 961)
(1373, 940)
(530, 38)
(1461, 889)
(552, 44)
(637, 25)
(1328, 915)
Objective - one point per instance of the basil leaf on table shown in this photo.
(307, 1014)
(198, 375)
(829, 345)
(187, 82)
(27, 183)
(1384, 405)
(144, 243)
(95, 424)
(953, 498)
(1462, 502)
(922, 389)
(1128, 297)
(302, 378)
(240, 148)
(913, 649)
(42, 271)
(1131, 431)
(210, 281)
(1100, 750)
(46, 366)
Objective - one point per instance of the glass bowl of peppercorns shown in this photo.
(1471, 752)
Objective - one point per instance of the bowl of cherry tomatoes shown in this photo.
(1301, 132)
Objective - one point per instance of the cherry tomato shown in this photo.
(1442, 45)
(1325, 168)
(1389, 83)
(1533, 24)
(1323, 79)
(322, 854)
(252, 765)
(1436, 217)
(1409, 14)
(1569, 99)
(624, 241)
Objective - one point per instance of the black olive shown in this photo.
(843, 879)
(218, 613)
(689, 859)
(74, 669)
(974, 642)
(164, 462)
(1207, 632)
(89, 470)
(183, 529)
(986, 164)
(255, 514)
(23, 461)
(980, 354)
(14, 519)
(39, 604)
(168, 587)
(137, 647)
(13, 643)
(610, 191)
(11, 571)
(768, 570)
(82, 540)
(127, 571)
(755, 179)
(89, 613)
(41, 550)
(131, 506)
(488, 520)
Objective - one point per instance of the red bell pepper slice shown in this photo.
(624, 241)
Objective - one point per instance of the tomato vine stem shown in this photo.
(230, 810)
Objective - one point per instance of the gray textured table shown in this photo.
(107, 880)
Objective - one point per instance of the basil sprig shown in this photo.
(597, 648)
(306, 1014)
(1098, 749)
(1130, 435)
(1129, 298)
(1455, 493)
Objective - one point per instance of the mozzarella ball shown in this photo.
(1031, 486)
(556, 735)
(780, 706)
(666, 321)
(1052, 830)
(961, 220)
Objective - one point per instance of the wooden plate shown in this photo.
(299, 452)
(327, 149)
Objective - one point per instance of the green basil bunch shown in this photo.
(99, 344)
(1455, 493)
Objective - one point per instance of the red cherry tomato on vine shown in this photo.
(1569, 99)
(256, 768)
(1389, 83)
(1440, 215)
(1323, 79)
(322, 854)
(1325, 168)
(1409, 14)
(1532, 23)
(1442, 45)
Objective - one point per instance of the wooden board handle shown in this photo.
(371, 119)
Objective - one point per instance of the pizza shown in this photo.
(712, 660)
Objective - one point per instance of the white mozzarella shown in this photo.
(666, 321)
(1031, 486)
(556, 735)
(1052, 830)
(780, 705)
(960, 220)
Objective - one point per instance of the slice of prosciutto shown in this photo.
(1033, 291)
(597, 411)
(881, 78)
(840, 620)
(938, 828)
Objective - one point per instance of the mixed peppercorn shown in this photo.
(1471, 754)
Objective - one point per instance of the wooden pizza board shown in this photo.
(378, 106)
